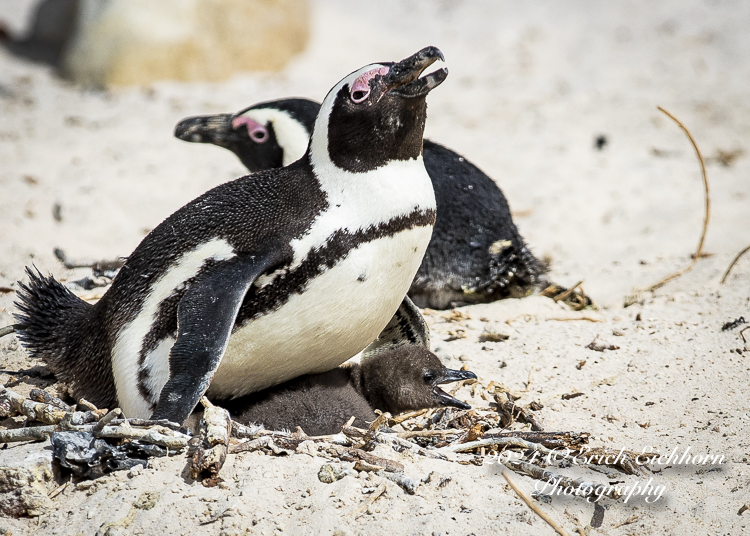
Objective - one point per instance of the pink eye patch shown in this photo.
(361, 86)
(255, 130)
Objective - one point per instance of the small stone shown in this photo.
(331, 472)
(541, 497)
(147, 500)
(136, 470)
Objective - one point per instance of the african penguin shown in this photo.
(286, 272)
(406, 378)
(476, 253)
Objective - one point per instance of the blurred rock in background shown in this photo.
(136, 42)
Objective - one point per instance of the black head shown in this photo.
(376, 114)
(407, 378)
(264, 136)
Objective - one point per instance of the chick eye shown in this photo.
(259, 134)
(359, 95)
(428, 377)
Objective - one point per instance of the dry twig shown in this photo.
(215, 429)
(500, 442)
(699, 250)
(513, 413)
(7, 330)
(552, 523)
(731, 265)
(361, 509)
(580, 487)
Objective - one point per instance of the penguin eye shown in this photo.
(360, 89)
(428, 377)
(358, 95)
(259, 134)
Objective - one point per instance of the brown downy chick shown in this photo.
(402, 378)
(407, 378)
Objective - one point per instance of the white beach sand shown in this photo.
(531, 86)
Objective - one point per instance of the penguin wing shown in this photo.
(205, 318)
(407, 326)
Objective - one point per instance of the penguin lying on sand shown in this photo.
(476, 253)
(285, 272)
(392, 376)
(406, 379)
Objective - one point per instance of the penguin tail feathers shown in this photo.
(49, 319)
(513, 265)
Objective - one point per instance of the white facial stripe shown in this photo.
(292, 136)
(130, 338)
(319, 144)
(360, 200)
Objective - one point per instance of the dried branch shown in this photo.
(392, 440)
(15, 404)
(429, 433)
(699, 250)
(7, 330)
(500, 442)
(104, 421)
(34, 411)
(252, 445)
(567, 293)
(361, 509)
(552, 523)
(623, 460)
(513, 413)
(215, 429)
(580, 487)
(552, 440)
(40, 395)
(36, 433)
(157, 435)
(729, 269)
(406, 416)
(354, 455)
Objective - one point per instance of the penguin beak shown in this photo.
(403, 77)
(216, 129)
(450, 375)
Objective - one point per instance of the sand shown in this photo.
(530, 88)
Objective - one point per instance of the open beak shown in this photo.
(450, 375)
(216, 129)
(403, 77)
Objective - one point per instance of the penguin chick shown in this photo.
(405, 378)
(476, 253)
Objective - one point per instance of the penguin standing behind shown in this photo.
(476, 253)
(282, 273)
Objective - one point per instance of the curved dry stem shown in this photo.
(699, 250)
(731, 265)
(538, 511)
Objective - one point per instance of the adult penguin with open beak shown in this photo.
(285, 272)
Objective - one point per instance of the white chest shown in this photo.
(339, 313)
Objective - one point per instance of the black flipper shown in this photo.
(406, 327)
(205, 318)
